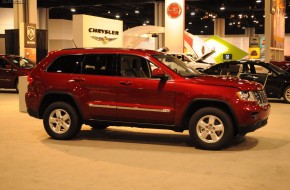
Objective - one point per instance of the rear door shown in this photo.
(90, 79)
(140, 98)
(98, 80)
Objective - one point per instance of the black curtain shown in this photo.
(12, 42)
(42, 44)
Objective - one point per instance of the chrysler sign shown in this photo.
(103, 39)
(91, 31)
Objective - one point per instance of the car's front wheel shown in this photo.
(211, 128)
(286, 94)
(61, 121)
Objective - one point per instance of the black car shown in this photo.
(275, 79)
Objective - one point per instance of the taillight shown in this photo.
(29, 79)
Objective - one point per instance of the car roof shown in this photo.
(107, 50)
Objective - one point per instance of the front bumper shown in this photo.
(251, 128)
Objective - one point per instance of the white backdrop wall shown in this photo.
(6, 19)
(60, 34)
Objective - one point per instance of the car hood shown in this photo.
(228, 81)
(204, 56)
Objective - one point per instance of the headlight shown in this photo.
(246, 95)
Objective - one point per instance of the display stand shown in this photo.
(22, 90)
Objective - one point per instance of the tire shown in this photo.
(286, 94)
(211, 128)
(99, 127)
(61, 121)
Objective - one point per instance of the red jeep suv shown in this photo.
(141, 88)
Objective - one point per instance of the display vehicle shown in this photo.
(11, 67)
(141, 88)
(275, 79)
(198, 64)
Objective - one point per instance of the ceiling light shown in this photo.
(222, 7)
(258, 1)
(73, 10)
(137, 11)
(190, 23)
(205, 26)
(117, 16)
(109, 12)
(192, 13)
(230, 24)
(286, 16)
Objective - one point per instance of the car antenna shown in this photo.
(74, 43)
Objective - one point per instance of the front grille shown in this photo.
(261, 97)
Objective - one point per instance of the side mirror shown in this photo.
(159, 73)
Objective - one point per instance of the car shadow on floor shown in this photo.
(273, 100)
(129, 136)
(8, 91)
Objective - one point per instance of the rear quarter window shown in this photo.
(66, 64)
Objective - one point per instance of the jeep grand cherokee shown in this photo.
(141, 88)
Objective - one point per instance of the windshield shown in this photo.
(177, 65)
(23, 62)
(277, 69)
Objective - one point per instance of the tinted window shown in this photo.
(2, 63)
(66, 64)
(23, 62)
(100, 64)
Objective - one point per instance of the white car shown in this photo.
(198, 63)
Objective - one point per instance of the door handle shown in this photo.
(125, 82)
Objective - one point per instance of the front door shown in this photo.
(140, 98)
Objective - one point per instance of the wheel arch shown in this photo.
(51, 97)
(202, 103)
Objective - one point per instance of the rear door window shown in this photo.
(100, 64)
(66, 64)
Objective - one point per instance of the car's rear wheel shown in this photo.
(211, 128)
(61, 121)
(286, 94)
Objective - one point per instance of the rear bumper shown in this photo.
(32, 113)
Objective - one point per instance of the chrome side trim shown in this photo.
(143, 109)
(130, 108)
(102, 106)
